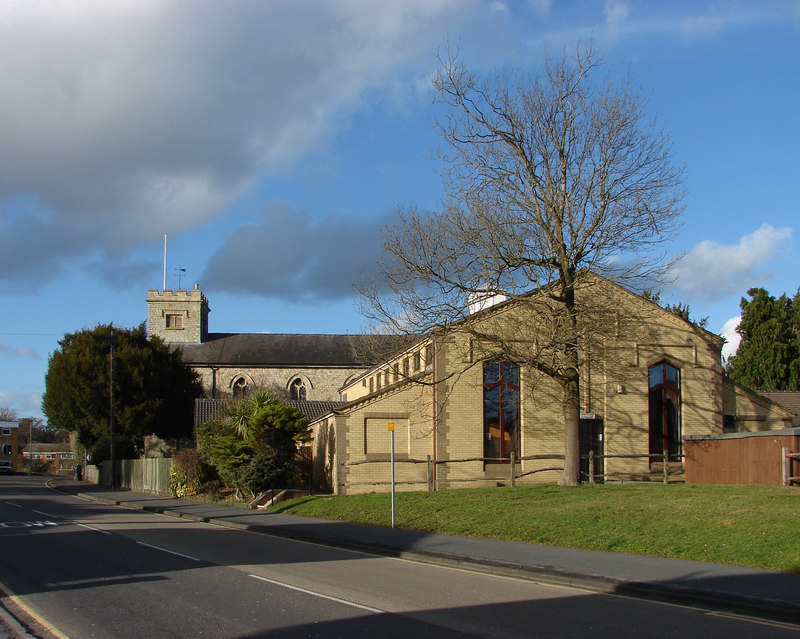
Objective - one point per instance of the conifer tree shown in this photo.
(768, 357)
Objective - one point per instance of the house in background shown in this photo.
(58, 456)
(8, 442)
(648, 378)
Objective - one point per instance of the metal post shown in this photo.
(428, 474)
(513, 469)
(666, 462)
(30, 444)
(591, 466)
(111, 409)
(391, 459)
(393, 518)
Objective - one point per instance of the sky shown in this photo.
(273, 141)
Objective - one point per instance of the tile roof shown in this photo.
(313, 409)
(206, 410)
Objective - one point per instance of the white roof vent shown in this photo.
(479, 300)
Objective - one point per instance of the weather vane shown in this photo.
(180, 271)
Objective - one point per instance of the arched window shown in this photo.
(501, 415)
(240, 388)
(665, 410)
(297, 390)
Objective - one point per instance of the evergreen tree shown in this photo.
(254, 445)
(154, 391)
(768, 357)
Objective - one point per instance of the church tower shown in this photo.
(179, 317)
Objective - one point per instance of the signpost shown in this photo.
(391, 459)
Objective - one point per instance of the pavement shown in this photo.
(734, 589)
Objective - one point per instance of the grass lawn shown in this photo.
(755, 526)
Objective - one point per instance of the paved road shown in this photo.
(98, 570)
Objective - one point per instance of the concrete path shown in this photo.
(747, 591)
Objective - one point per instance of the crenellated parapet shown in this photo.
(178, 316)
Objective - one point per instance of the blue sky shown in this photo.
(271, 141)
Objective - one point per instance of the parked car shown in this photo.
(5, 467)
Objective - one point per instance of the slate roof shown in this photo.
(276, 350)
(788, 399)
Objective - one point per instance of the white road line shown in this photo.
(319, 594)
(11, 503)
(105, 532)
(755, 620)
(171, 552)
(41, 512)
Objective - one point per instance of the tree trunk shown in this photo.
(570, 403)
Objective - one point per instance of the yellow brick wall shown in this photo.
(753, 412)
(444, 416)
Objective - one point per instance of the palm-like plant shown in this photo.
(240, 413)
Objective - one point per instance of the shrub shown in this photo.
(262, 473)
(189, 474)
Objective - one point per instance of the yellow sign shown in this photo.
(391, 426)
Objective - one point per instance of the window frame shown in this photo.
(504, 377)
(664, 399)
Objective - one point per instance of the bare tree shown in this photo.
(548, 180)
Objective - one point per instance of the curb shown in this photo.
(741, 605)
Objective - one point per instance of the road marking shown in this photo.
(755, 620)
(171, 552)
(105, 532)
(11, 503)
(26, 524)
(30, 612)
(319, 594)
(39, 512)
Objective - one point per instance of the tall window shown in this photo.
(501, 414)
(665, 410)
(429, 357)
(297, 390)
(240, 388)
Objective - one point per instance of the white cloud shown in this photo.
(18, 352)
(121, 121)
(616, 15)
(299, 254)
(691, 21)
(732, 338)
(26, 404)
(712, 271)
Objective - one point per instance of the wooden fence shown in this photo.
(743, 458)
(149, 475)
(789, 476)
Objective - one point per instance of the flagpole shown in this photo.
(164, 285)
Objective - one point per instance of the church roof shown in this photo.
(276, 349)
